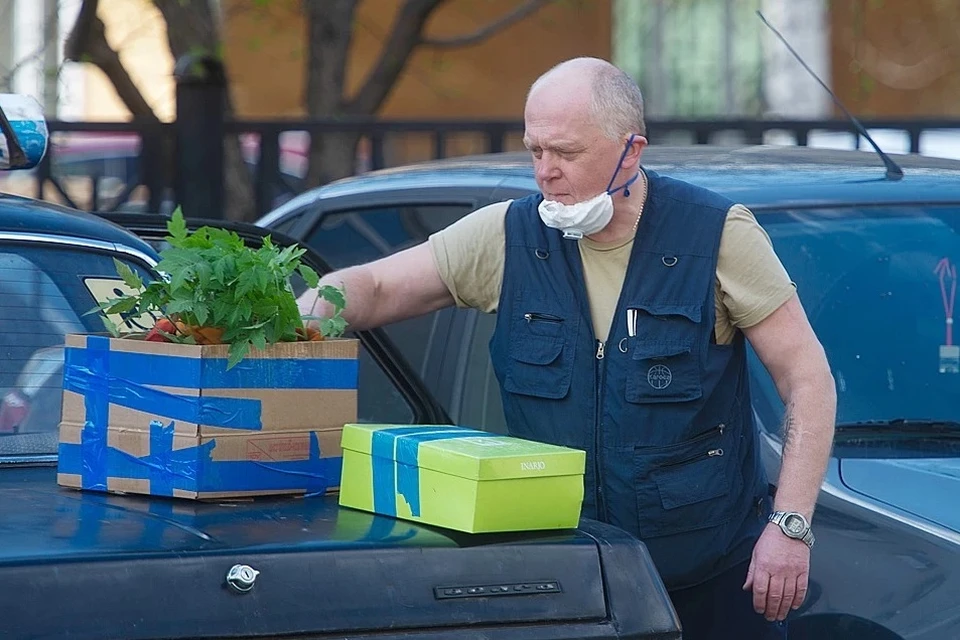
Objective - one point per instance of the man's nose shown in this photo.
(547, 168)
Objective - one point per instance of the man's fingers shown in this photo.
(789, 591)
(761, 585)
(749, 582)
(774, 598)
(801, 594)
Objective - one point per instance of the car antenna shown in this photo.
(894, 172)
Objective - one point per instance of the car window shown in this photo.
(878, 284)
(480, 404)
(353, 236)
(45, 290)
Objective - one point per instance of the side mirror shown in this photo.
(23, 132)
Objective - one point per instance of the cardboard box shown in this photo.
(461, 478)
(170, 419)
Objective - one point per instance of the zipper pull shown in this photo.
(721, 427)
(599, 350)
(714, 452)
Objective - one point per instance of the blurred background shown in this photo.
(268, 98)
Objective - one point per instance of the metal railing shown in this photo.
(144, 155)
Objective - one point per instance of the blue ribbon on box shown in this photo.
(106, 377)
(395, 456)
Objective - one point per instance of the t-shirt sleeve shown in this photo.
(753, 281)
(470, 254)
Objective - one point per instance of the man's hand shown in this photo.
(396, 287)
(778, 575)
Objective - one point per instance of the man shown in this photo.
(623, 304)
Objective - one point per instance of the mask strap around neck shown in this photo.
(625, 186)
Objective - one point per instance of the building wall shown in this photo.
(896, 59)
(265, 53)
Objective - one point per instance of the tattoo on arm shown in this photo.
(791, 437)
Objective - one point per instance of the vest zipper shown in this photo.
(543, 317)
(598, 430)
(712, 453)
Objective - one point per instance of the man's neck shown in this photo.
(626, 215)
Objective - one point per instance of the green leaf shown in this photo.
(129, 278)
(110, 326)
(259, 340)
(334, 296)
(237, 351)
(333, 327)
(177, 226)
(202, 313)
(309, 276)
(123, 305)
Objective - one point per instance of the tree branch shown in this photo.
(77, 42)
(519, 13)
(329, 32)
(189, 25)
(403, 39)
(88, 43)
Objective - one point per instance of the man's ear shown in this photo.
(632, 158)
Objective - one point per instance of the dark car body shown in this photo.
(83, 564)
(874, 263)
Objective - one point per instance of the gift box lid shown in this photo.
(463, 452)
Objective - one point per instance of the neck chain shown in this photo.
(643, 200)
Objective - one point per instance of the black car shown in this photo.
(84, 564)
(874, 259)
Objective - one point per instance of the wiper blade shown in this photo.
(904, 427)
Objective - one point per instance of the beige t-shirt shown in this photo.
(751, 282)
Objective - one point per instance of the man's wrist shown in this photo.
(794, 525)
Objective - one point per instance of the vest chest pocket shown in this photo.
(663, 372)
(541, 363)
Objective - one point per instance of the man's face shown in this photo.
(573, 161)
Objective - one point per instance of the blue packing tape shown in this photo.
(211, 373)
(193, 469)
(395, 458)
(103, 382)
(97, 412)
(91, 373)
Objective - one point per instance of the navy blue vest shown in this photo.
(664, 416)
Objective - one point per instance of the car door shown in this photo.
(358, 228)
(47, 285)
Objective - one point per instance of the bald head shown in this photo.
(612, 98)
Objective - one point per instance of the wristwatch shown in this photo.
(793, 525)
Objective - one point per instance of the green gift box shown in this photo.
(461, 478)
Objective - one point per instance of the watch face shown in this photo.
(794, 525)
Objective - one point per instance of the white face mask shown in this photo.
(587, 217)
(580, 219)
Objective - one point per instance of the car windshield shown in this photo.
(878, 284)
(45, 290)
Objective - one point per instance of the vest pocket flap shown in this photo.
(659, 350)
(536, 350)
(693, 312)
(691, 483)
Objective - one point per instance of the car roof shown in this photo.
(26, 215)
(756, 175)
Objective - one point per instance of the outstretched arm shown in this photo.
(393, 288)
